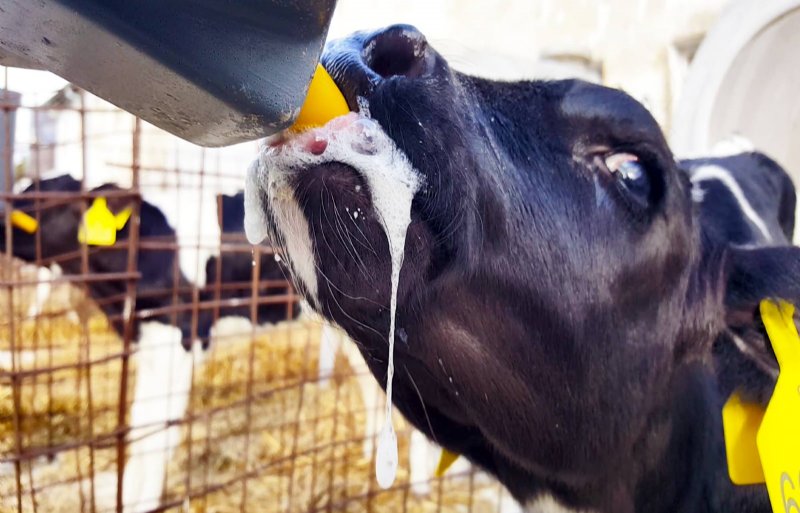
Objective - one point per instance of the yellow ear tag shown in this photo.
(323, 102)
(122, 218)
(779, 436)
(446, 460)
(99, 226)
(740, 422)
(24, 222)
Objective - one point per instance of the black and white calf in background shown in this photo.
(163, 337)
(746, 200)
(565, 306)
(229, 275)
(57, 236)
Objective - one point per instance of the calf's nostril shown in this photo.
(400, 50)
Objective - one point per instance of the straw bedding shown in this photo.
(260, 434)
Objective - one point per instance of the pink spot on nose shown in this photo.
(313, 141)
(317, 145)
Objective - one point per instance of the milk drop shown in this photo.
(386, 458)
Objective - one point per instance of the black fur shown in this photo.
(554, 331)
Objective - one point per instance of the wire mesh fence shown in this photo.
(150, 358)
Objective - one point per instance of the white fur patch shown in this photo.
(734, 144)
(290, 222)
(713, 172)
(163, 383)
(698, 194)
(360, 144)
(546, 503)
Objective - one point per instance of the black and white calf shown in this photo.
(565, 308)
(57, 239)
(164, 367)
(746, 200)
(229, 276)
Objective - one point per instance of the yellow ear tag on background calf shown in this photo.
(323, 102)
(99, 226)
(23, 221)
(779, 436)
(446, 460)
(122, 218)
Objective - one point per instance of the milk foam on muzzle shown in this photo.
(358, 141)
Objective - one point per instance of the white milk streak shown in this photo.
(396, 217)
(392, 182)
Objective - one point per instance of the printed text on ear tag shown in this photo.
(99, 225)
(779, 437)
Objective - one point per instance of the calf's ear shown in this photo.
(744, 354)
(763, 273)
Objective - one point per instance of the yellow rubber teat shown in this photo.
(323, 102)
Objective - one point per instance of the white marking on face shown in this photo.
(354, 140)
(698, 194)
(360, 143)
(713, 172)
(290, 222)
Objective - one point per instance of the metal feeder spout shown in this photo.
(212, 72)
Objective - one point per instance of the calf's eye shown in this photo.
(631, 177)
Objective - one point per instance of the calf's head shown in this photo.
(555, 288)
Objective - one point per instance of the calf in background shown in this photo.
(160, 285)
(229, 276)
(165, 369)
(746, 200)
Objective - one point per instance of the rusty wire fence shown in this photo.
(168, 367)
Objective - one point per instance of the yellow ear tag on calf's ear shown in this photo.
(24, 222)
(779, 436)
(740, 421)
(99, 226)
(764, 446)
(121, 219)
(323, 102)
(446, 460)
